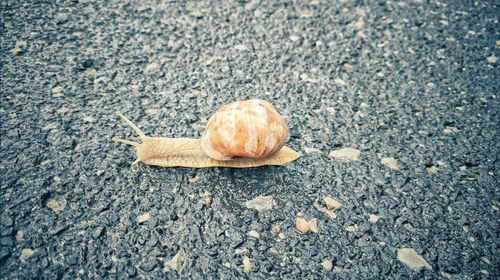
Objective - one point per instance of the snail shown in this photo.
(242, 134)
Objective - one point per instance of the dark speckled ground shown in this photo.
(416, 81)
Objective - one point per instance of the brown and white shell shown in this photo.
(250, 129)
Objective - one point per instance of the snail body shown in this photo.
(236, 136)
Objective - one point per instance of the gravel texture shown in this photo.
(412, 81)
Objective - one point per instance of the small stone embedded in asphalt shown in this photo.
(151, 68)
(340, 82)
(492, 59)
(206, 198)
(20, 235)
(331, 204)
(330, 213)
(143, 218)
(432, 169)
(261, 203)
(131, 271)
(57, 205)
(412, 259)
(390, 162)
(302, 225)
(241, 47)
(313, 225)
(312, 150)
(352, 228)
(373, 218)
(247, 265)
(151, 111)
(57, 91)
(450, 130)
(89, 119)
(346, 154)
(306, 14)
(19, 47)
(98, 232)
(327, 264)
(282, 236)
(149, 265)
(240, 251)
(26, 254)
(177, 263)
(276, 229)
(294, 38)
(254, 234)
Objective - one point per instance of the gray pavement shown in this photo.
(410, 85)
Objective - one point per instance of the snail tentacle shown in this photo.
(137, 130)
(124, 141)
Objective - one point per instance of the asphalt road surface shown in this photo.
(393, 105)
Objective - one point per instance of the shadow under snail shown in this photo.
(242, 134)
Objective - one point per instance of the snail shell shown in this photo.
(250, 129)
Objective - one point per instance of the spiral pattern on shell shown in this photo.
(251, 128)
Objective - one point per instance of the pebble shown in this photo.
(26, 254)
(151, 112)
(254, 234)
(241, 47)
(240, 251)
(327, 264)
(261, 203)
(89, 119)
(20, 235)
(131, 271)
(177, 262)
(63, 110)
(148, 265)
(151, 68)
(492, 59)
(331, 204)
(143, 218)
(330, 213)
(450, 130)
(413, 260)
(276, 229)
(346, 154)
(433, 169)
(313, 225)
(390, 162)
(206, 198)
(57, 91)
(282, 236)
(20, 45)
(98, 232)
(485, 260)
(312, 151)
(57, 206)
(357, 25)
(247, 265)
(302, 225)
(373, 218)
(306, 14)
(294, 38)
(273, 252)
(339, 82)
(351, 228)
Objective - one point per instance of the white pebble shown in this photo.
(346, 154)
